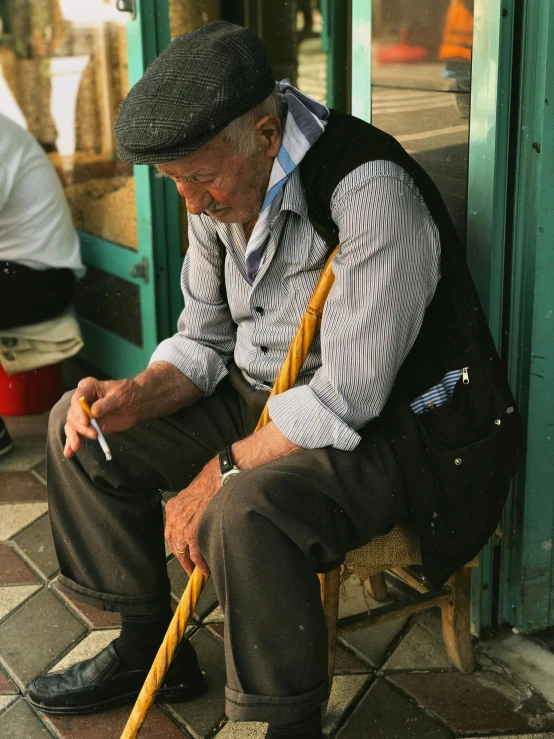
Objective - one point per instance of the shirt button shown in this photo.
(259, 310)
(264, 349)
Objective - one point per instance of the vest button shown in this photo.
(259, 310)
(457, 461)
(264, 349)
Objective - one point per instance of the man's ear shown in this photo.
(268, 131)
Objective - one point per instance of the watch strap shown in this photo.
(226, 463)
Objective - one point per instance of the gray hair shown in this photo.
(239, 134)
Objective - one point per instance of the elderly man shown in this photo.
(271, 180)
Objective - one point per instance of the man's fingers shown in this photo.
(72, 441)
(186, 562)
(198, 559)
(80, 422)
(77, 417)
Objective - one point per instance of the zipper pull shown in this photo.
(465, 376)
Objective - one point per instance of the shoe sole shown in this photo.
(165, 695)
(6, 449)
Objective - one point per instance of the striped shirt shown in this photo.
(386, 273)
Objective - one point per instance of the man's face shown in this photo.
(226, 185)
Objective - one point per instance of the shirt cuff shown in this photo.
(303, 419)
(199, 363)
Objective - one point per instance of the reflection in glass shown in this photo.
(293, 32)
(421, 81)
(63, 76)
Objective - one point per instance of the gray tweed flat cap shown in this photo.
(199, 84)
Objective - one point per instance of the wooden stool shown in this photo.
(393, 552)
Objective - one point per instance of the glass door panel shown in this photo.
(64, 71)
(421, 82)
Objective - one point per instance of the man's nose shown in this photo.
(197, 199)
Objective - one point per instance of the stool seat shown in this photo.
(399, 548)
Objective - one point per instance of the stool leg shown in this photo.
(376, 587)
(456, 622)
(330, 589)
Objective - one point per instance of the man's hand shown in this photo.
(120, 404)
(183, 514)
(117, 405)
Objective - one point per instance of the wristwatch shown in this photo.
(227, 467)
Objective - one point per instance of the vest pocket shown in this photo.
(471, 439)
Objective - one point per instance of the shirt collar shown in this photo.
(293, 195)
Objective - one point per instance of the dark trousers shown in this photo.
(265, 535)
(31, 295)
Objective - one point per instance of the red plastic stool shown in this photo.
(403, 53)
(30, 392)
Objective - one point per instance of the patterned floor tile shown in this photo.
(5, 701)
(13, 571)
(217, 630)
(20, 487)
(27, 453)
(372, 644)
(13, 596)
(40, 471)
(36, 634)
(422, 648)
(37, 544)
(110, 724)
(347, 664)
(6, 685)
(19, 721)
(179, 580)
(202, 715)
(242, 730)
(215, 617)
(385, 714)
(346, 690)
(16, 516)
(465, 703)
(87, 648)
(94, 617)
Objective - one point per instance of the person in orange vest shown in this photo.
(456, 47)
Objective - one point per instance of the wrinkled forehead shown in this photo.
(213, 157)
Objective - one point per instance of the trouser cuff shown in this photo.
(272, 709)
(143, 605)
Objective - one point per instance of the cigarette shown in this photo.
(101, 438)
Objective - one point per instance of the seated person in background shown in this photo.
(39, 246)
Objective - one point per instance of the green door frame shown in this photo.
(527, 565)
(147, 267)
(489, 149)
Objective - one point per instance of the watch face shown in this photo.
(227, 475)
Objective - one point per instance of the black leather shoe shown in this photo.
(98, 683)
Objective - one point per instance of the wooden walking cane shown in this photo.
(288, 374)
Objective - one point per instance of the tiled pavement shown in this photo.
(391, 681)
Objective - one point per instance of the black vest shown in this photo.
(457, 460)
